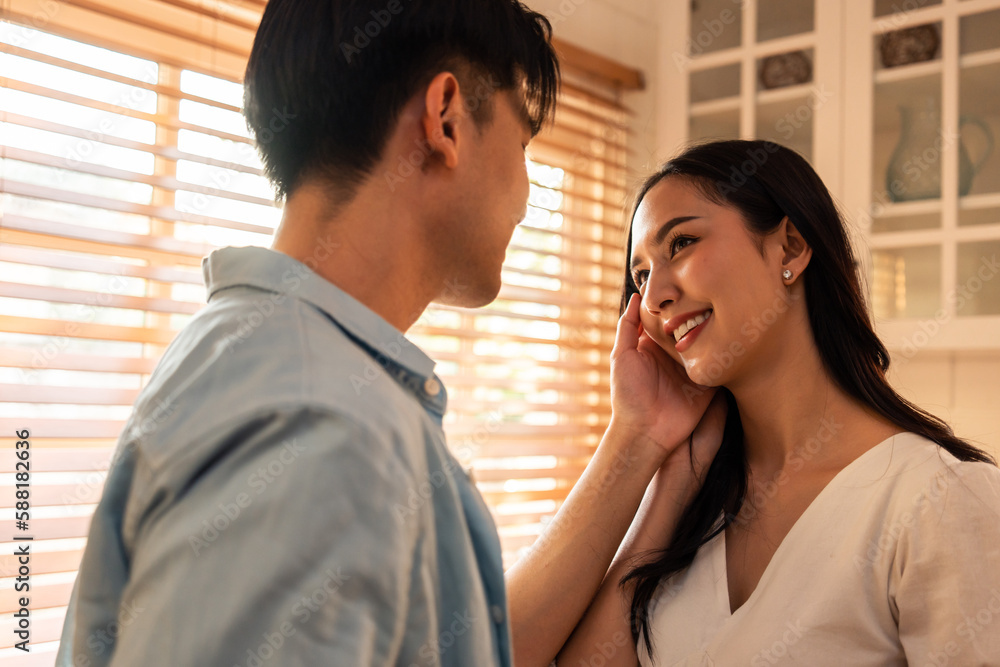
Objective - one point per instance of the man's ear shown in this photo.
(443, 117)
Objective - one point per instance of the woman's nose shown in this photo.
(655, 307)
(658, 294)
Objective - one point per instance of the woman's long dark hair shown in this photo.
(766, 182)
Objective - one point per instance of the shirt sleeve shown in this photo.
(284, 550)
(945, 581)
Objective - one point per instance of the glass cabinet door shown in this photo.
(935, 175)
(750, 71)
(979, 165)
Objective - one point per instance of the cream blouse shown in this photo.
(895, 562)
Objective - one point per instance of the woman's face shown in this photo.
(694, 259)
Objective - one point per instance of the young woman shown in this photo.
(838, 523)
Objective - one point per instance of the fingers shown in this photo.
(707, 436)
(718, 409)
(649, 346)
(629, 328)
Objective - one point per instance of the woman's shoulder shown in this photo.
(913, 470)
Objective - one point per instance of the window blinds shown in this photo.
(124, 160)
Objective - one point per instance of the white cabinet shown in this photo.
(902, 140)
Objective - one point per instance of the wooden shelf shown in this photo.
(920, 237)
(978, 202)
(930, 207)
(712, 107)
(910, 18)
(907, 72)
(980, 58)
(799, 93)
(906, 239)
(902, 209)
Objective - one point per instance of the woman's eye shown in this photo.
(640, 277)
(673, 244)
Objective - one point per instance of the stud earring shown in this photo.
(786, 274)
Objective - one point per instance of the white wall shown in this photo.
(625, 31)
(958, 387)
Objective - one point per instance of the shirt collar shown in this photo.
(274, 271)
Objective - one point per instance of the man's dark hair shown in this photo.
(327, 79)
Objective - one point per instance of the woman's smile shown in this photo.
(685, 335)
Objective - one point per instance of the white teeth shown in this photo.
(690, 324)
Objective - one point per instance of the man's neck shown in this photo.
(363, 247)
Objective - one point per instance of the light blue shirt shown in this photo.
(282, 495)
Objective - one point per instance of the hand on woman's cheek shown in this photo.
(653, 328)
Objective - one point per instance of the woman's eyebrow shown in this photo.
(662, 232)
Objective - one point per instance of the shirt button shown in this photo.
(432, 387)
(496, 611)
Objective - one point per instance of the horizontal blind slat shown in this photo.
(165, 183)
(168, 20)
(39, 359)
(96, 201)
(166, 152)
(166, 122)
(78, 262)
(163, 246)
(42, 562)
(69, 395)
(60, 495)
(117, 35)
(159, 89)
(61, 460)
(95, 299)
(75, 329)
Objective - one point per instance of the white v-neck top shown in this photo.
(895, 562)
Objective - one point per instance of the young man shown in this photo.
(252, 515)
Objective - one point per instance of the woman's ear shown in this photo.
(796, 253)
(443, 118)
